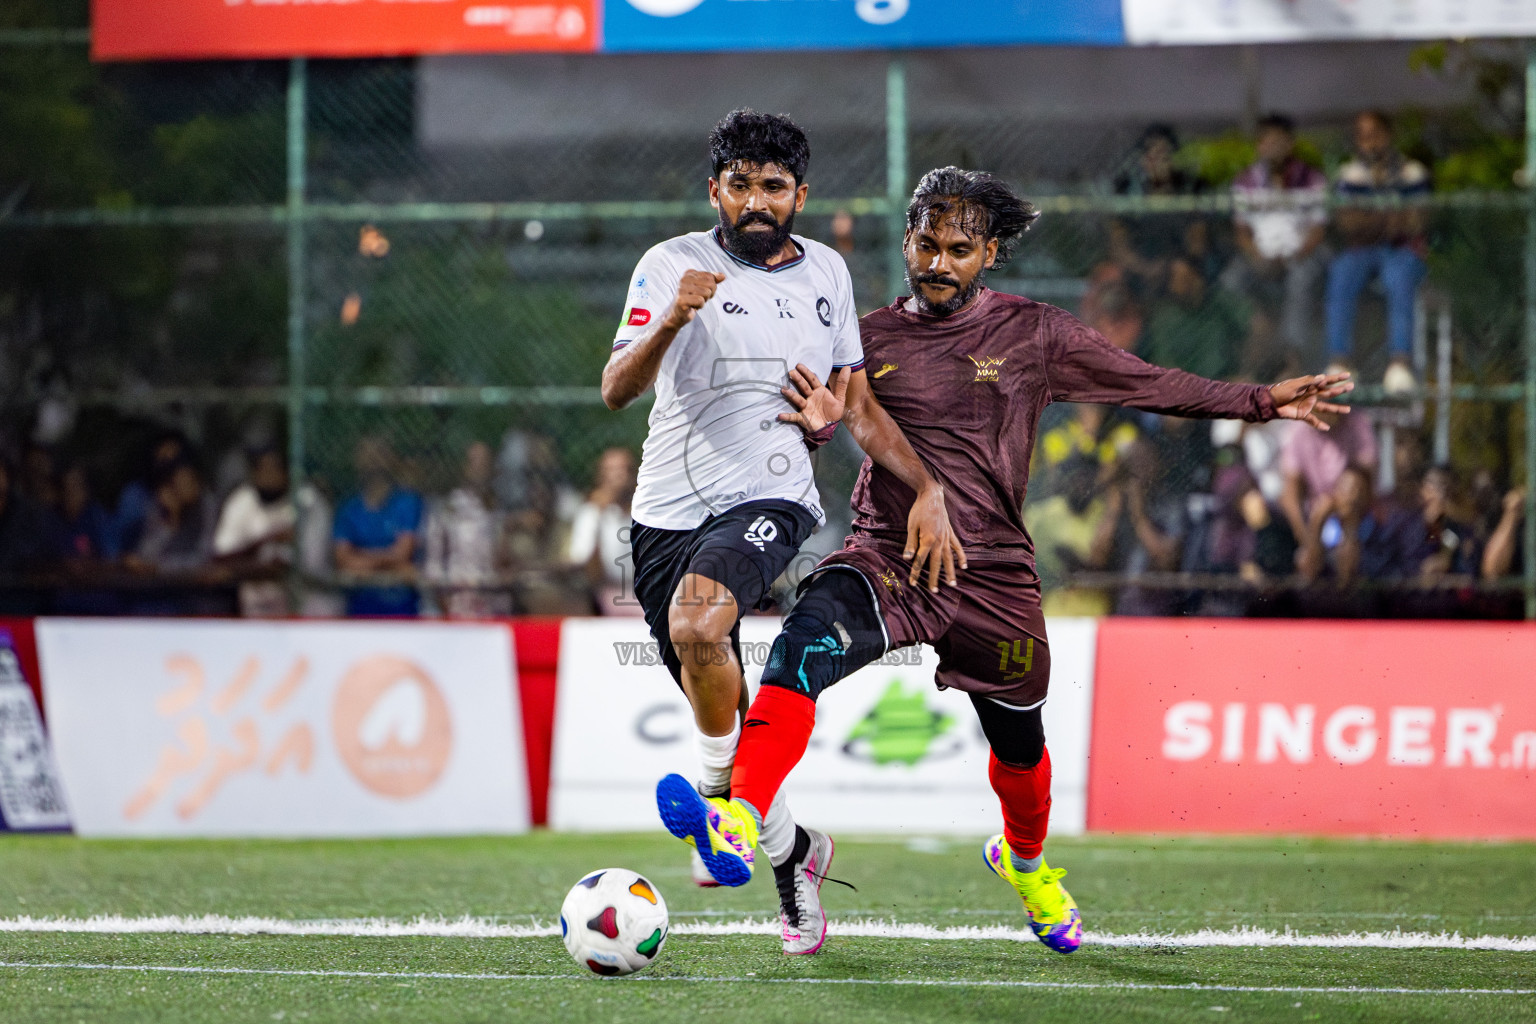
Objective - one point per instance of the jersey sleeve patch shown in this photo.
(638, 317)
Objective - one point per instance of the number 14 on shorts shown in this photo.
(1019, 652)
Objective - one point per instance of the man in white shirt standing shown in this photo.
(723, 323)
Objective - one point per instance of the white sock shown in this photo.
(777, 836)
(717, 754)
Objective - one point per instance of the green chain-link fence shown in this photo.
(260, 249)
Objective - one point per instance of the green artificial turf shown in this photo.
(1124, 885)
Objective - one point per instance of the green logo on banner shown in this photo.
(900, 729)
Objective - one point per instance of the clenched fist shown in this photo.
(695, 289)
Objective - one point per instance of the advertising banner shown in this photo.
(205, 728)
(137, 30)
(1284, 21)
(1424, 730)
(31, 795)
(845, 24)
(891, 753)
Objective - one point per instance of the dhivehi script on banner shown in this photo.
(173, 727)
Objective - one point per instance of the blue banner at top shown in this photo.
(650, 25)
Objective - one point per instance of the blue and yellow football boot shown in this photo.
(722, 832)
(1053, 915)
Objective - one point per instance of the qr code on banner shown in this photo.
(31, 794)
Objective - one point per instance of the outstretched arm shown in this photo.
(1081, 366)
(931, 541)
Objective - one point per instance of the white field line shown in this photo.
(481, 928)
(585, 979)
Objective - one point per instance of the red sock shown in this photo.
(773, 740)
(1026, 797)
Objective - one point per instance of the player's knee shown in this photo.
(805, 660)
(700, 633)
(1017, 737)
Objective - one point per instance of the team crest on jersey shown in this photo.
(890, 579)
(988, 367)
(785, 313)
(638, 317)
(824, 311)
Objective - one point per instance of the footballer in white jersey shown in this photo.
(730, 326)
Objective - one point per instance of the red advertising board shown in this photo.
(1410, 729)
(158, 29)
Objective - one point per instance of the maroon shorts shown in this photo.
(989, 631)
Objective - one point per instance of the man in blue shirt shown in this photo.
(377, 532)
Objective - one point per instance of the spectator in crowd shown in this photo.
(1312, 461)
(540, 506)
(1151, 531)
(178, 533)
(1196, 327)
(88, 528)
(600, 534)
(1261, 445)
(137, 497)
(314, 543)
(1504, 552)
(1074, 529)
(30, 542)
(39, 477)
(1096, 432)
(1359, 536)
(466, 543)
(255, 533)
(1446, 543)
(1280, 223)
(1145, 244)
(1110, 307)
(376, 534)
(1385, 244)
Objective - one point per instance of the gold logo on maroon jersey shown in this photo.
(890, 579)
(887, 368)
(988, 367)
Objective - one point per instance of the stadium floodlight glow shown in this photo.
(672, 8)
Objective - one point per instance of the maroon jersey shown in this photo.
(968, 390)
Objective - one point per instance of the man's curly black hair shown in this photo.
(759, 139)
(986, 207)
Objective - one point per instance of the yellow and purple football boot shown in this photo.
(1053, 915)
(722, 833)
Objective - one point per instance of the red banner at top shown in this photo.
(160, 29)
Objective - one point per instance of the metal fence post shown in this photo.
(896, 174)
(297, 268)
(1530, 332)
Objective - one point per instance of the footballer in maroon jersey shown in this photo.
(965, 372)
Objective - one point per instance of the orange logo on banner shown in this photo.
(1422, 729)
(136, 30)
(392, 726)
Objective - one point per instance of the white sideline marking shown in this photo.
(1126, 986)
(482, 928)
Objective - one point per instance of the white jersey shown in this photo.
(715, 439)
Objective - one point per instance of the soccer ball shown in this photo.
(613, 922)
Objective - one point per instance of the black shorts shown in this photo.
(744, 548)
(989, 631)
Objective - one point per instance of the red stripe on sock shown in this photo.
(1025, 794)
(773, 740)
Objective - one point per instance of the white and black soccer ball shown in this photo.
(614, 922)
